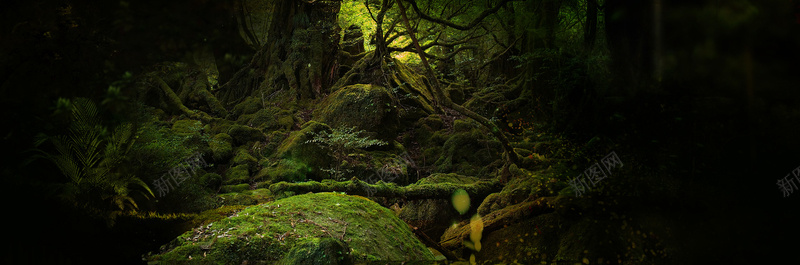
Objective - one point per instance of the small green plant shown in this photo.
(92, 161)
(340, 142)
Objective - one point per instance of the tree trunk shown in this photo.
(300, 53)
(590, 30)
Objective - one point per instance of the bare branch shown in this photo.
(471, 25)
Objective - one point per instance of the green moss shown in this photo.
(366, 107)
(452, 178)
(523, 152)
(284, 122)
(242, 134)
(211, 180)
(269, 119)
(258, 119)
(319, 251)
(457, 95)
(187, 127)
(243, 157)
(267, 233)
(234, 188)
(428, 131)
(465, 125)
(220, 126)
(237, 174)
(247, 106)
(468, 152)
(243, 194)
(221, 147)
(485, 102)
(306, 155)
(285, 170)
(213, 215)
(262, 176)
(432, 153)
(433, 121)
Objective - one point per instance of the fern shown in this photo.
(341, 141)
(92, 162)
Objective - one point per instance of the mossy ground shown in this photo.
(266, 232)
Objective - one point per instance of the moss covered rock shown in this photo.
(248, 106)
(242, 194)
(221, 148)
(429, 133)
(211, 180)
(325, 251)
(284, 170)
(305, 155)
(465, 125)
(243, 157)
(235, 189)
(237, 174)
(242, 134)
(294, 228)
(366, 107)
(269, 119)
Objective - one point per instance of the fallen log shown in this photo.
(476, 190)
(454, 238)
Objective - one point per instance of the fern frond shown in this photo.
(84, 112)
(69, 168)
(139, 182)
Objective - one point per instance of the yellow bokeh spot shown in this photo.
(476, 227)
(460, 200)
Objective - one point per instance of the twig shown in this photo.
(320, 226)
(344, 232)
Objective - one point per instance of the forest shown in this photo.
(400, 131)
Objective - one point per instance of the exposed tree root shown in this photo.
(174, 101)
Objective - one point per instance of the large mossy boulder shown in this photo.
(242, 134)
(269, 119)
(367, 107)
(303, 228)
(324, 251)
(243, 157)
(303, 155)
(221, 147)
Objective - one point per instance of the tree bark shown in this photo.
(300, 53)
